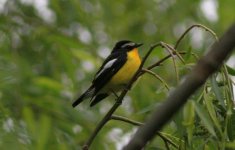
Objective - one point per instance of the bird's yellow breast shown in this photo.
(127, 71)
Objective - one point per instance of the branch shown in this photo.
(177, 98)
(127, 120)
(156, 76)
(161, 61)
(172, 52)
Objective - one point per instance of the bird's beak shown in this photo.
(138, 44)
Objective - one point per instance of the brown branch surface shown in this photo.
(204, 68)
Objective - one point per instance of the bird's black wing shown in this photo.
(109, 68)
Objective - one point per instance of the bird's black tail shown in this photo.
(87, 94)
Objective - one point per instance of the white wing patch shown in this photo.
(106, 66)
(128, 44)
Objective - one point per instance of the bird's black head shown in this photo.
(125, 45)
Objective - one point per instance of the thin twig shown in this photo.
(190, 28)
(114, 93)
(195, 56)
(174, 52)
(158, 63)
(173, 59)
(148, 53)
(166, 145)
(127, 120)
(156, 76)
(166, 139)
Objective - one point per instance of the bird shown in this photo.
(114, 74)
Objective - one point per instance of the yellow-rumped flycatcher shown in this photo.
(116, 71)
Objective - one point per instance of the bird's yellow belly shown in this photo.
(123, 76)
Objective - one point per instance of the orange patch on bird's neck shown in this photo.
(134, 53)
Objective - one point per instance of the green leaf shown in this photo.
(203, 115)
(29, 119)
(231, 71)
(231, 127)
(189, 117)
(217, 91)
(230, 145)
(206, 147)
(43, 135)
(188, 55)
(212, 113)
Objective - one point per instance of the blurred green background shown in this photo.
(50, 50)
